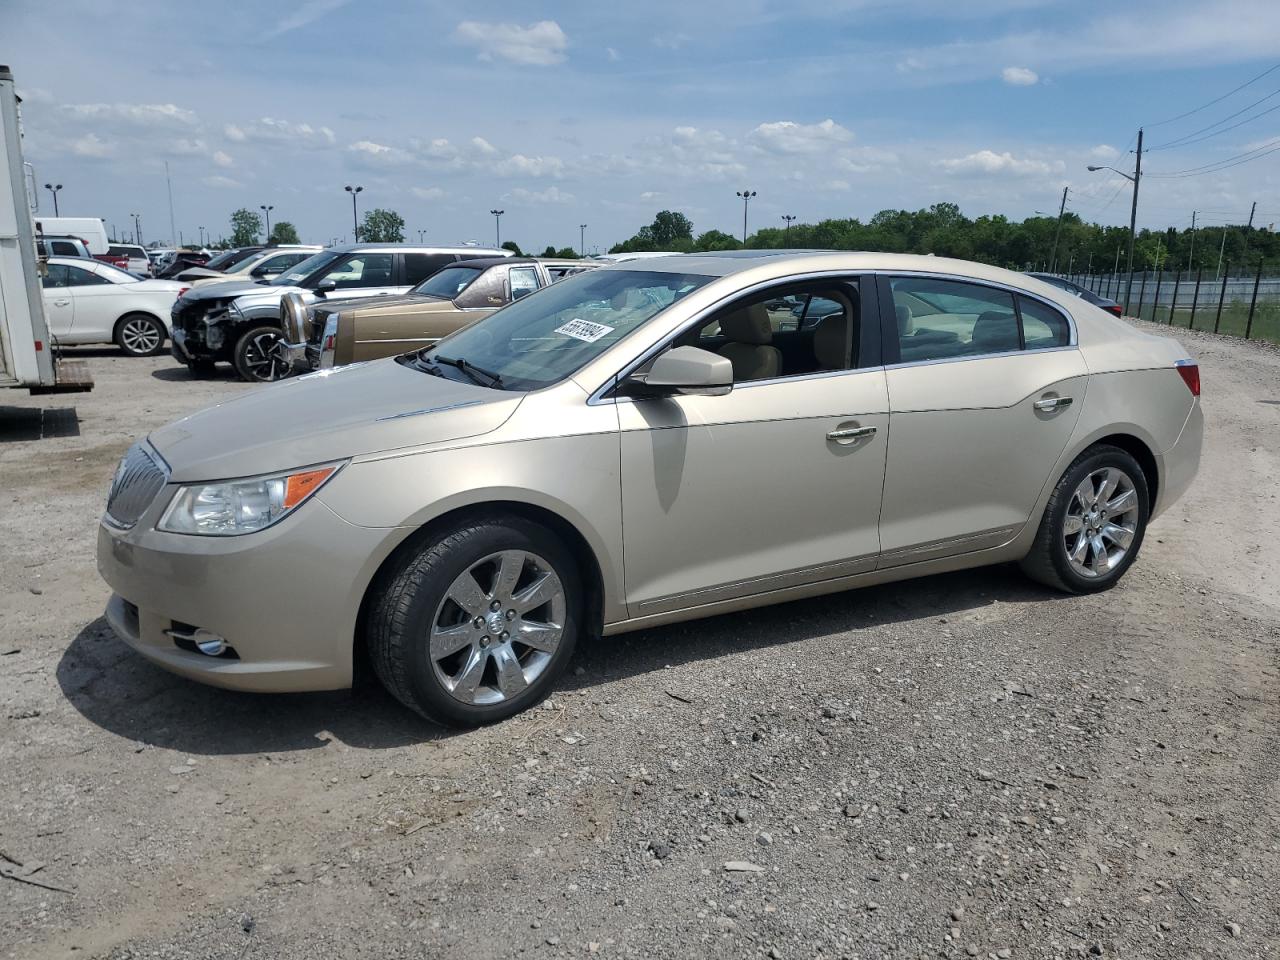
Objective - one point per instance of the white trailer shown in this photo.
(26, 351)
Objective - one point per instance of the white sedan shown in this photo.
(87, 301)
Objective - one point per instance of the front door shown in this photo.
(983, 399)
(59, 307)
(774, 485)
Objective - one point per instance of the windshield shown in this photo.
(224, 261)
(304, 269)
(115, 274)
(448, 283)
(546, 336)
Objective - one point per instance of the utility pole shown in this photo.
(497, 227)
(1062, 208)
(582, 239)
(1252, 211)
(137, 228)
(1133, 219)
(1192, 248)
(267, 208)
(746, 196)
(169, 186)
(1221, 247)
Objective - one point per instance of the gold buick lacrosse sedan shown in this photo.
(645, 443)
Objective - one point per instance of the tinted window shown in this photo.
(419, 266)
(449, 282)
(80, 277)
(1042, 326)
(56, 277)
(64, 248)
(939, 319)
(361, 270)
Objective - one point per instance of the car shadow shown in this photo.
(121, 692)
(181, 373)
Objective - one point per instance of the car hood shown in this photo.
(230, 289)
(330, 415)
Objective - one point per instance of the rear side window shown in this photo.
(419, 266)
(1042, 326)
(79, 277)
(939, 319)
(64, 248)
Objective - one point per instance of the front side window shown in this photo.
(80, 277)
(361, 270)
(309, 267)
(939, 319)
(545, 337)
(56, 277)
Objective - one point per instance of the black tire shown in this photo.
(409, 596)
(201, 369)
(140, 335)
(1048, 561)
(255, 359)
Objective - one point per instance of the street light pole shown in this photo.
(267, 208)
(355, 223)
(137, 229)
(789, 218)
(201, 229)
(1053, 255)
(746, 196)
(421, 234)
(582, 240)
(497, 226)
(54, 188)
(1133, 210)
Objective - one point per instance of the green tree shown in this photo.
(549, 252)
(719, 240)
(567, 253)
(245, 227)
(382, 226)
(670, 230)
(284, 232)
(513, 247)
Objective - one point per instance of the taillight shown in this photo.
(1189, 371)
(182, 290)
(1115, 309)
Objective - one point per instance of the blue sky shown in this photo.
(604, 113)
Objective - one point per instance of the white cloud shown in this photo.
(427, 193)
(671, 41)
(380, 153)
(1104, 151)
(651, 195)
(218, 180)
(90, 146)
(838, 186)
(613, 55)
(518, 165)
(304, 15)
(541, 44)
(222, 159)
(268, 130)
(789, 137)
(990, 162)
(1019, 76)
(552, 194)
(166, 115)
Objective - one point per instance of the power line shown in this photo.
(1248, 156)
(1247, 83)
(1184, 142)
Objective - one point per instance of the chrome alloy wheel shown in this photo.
(263, 359)
(497, 628)
(140, 336)
(1101, 522)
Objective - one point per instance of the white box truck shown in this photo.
(26, 352)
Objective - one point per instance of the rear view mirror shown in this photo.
(684, 371)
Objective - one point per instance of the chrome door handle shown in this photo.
(1052, 403)
(61, 303)
(851, 433)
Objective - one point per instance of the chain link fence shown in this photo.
(1242, 305)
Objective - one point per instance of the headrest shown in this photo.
(748, 325)
(829, 341)
(997, 329)
(906, 323)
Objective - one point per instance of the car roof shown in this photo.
(415, 248)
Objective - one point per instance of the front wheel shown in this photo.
(256, 357)
(1093, 524)
(477, 627)
(140, 335)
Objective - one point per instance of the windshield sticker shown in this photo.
(584, 330)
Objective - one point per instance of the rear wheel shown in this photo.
(140, 335)
(256, 357)
(1093, 524)
(477, 627)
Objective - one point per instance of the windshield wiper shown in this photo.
(475, 373)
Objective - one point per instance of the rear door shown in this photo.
(59, 305)
(985, 386)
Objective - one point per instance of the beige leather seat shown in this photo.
(829, 338)
(750, 335)
(906, 322)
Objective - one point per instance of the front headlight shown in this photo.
(233, 507)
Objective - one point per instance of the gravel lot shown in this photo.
(965, 765)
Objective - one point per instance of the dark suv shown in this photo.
(240, 323)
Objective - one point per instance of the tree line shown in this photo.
(1018, 245)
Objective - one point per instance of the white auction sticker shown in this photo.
(584, 330)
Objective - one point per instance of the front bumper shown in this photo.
(286, 598)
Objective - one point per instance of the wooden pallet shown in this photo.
(72, 377)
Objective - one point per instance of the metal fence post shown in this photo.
(1248, 327)
(1173, 304)
(1222, 295)
(1195, 299)
(1142, 293)
(1155, 301)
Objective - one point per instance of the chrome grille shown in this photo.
(138, 480)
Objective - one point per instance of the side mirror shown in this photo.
(326, 286)
(684, 371)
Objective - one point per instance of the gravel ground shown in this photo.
(965, 765)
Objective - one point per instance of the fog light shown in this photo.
(209, 643)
